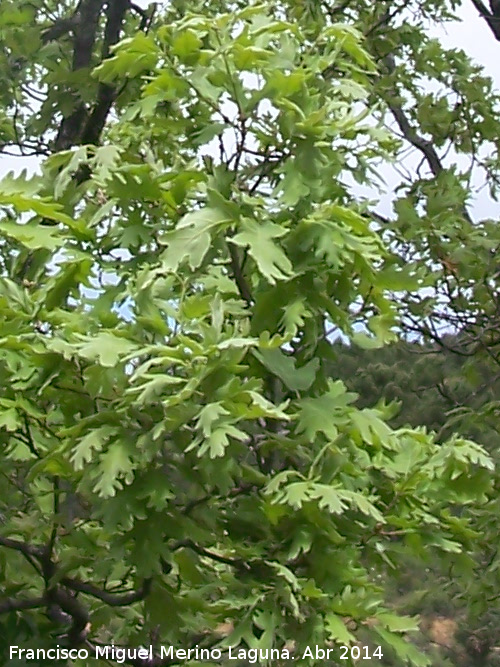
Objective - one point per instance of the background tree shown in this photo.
(432, 386)
(172, 438)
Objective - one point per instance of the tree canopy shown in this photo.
(181, 464)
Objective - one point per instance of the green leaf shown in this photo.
(405, 651)
(337, 630)
(217, 441)
(283, 366)
(325, 413)
(114, 466)
(191, 238)
(93, 442)
(328, 498)
(106, 348)
(209, 415)
(207, 133)
(9, 419)
(398, 623)
(33, 235)
(186, 44)
(294, 184)
(269, 257)
(296, 494)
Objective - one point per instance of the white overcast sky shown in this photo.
(469, 33)
(473, 35)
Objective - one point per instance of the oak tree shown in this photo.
(176, 456)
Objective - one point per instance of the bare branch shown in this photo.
(491, 18)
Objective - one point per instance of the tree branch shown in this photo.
(201, 551)
(83, 46)
(23, 547)
(13, 604)
(491, 19)
(55, 598)
(60, 28)
(106, 94)
(239, 278)
(409, 133)
(80, 618)
(111, 599)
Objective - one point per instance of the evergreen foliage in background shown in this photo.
(430, 385)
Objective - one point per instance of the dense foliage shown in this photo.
(179, 464)
(429, 385)
(432, 386)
